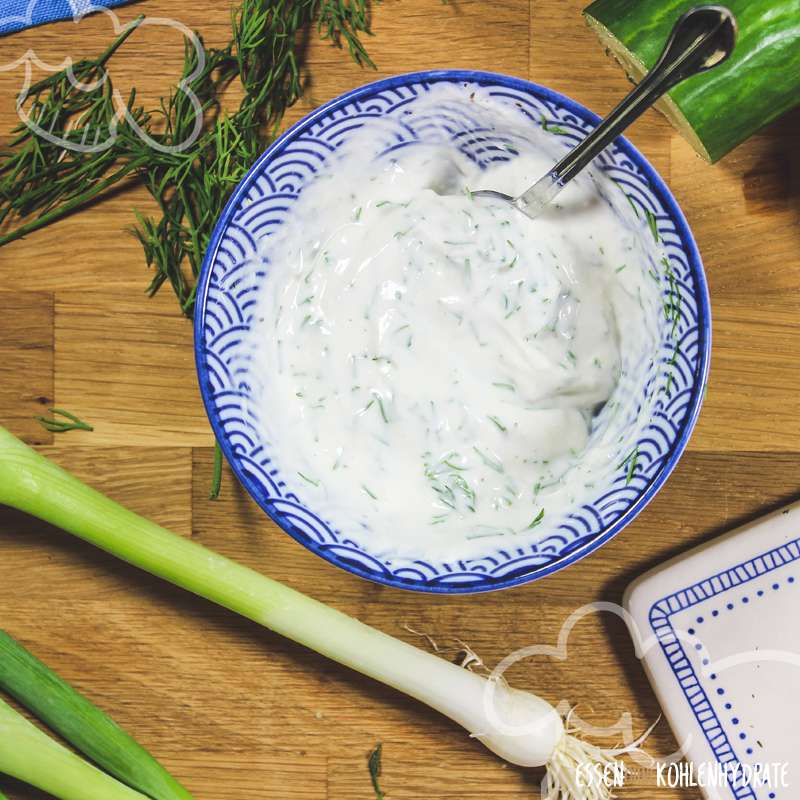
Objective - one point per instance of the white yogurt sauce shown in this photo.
(437, 374)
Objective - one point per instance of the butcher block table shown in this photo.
(234, 711)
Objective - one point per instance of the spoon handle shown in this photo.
(700, 40)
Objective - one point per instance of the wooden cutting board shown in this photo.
(233, 711)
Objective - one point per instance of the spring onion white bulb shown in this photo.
(518, 726)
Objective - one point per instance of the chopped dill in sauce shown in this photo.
(444, 367)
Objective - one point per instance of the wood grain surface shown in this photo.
(236, 712)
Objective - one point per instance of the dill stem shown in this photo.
(196, 254)
(74, 203)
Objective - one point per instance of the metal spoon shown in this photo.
(701, 40)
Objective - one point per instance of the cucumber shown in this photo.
(718, 110)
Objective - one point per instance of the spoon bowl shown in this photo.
(701, 39)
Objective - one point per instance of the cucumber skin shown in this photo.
(758, 83)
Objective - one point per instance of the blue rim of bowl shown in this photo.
(669, 203)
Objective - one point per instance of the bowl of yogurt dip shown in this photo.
(430, 389)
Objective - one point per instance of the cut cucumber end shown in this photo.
(635, 70)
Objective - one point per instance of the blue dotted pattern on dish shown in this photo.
(661, 613)
(228, 288)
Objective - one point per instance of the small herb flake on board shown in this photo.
(374, 764)
(69, 423)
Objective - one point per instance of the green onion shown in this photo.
(33, 757)
(91, 731)
(519, 726)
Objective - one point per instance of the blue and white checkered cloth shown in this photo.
(18, 14)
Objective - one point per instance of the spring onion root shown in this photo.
(33, 757)
(518, 726)
(83, 725)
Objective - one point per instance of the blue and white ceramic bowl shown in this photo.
(233, 272)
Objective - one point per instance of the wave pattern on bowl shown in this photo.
(233, 271)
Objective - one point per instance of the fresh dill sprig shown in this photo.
(42, 180)
(69, 423)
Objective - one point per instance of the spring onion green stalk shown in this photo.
(518, 726)
(31, 756)
(86, 727)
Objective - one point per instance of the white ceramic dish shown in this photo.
(721, 637)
